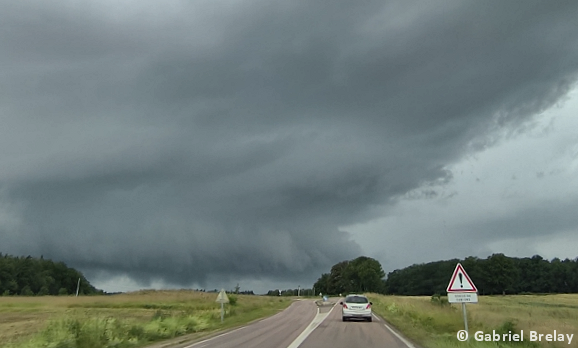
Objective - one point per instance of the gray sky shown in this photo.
(209, 143)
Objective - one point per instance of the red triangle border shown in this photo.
(459, 267)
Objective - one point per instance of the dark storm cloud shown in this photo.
(192, 139)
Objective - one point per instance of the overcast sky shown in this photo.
(209, 143)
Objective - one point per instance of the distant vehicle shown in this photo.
(356, 306)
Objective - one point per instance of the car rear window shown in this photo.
(356, 299)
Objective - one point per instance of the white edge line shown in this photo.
(309, 329)
(228, 332)
(376, 317)
(406, 342)
(214, 337)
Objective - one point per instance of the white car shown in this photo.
(356, 306)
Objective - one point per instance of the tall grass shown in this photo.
(433, 323)
(110, 332)
(131, 320)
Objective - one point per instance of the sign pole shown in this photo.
(223, 313)
(465, 317)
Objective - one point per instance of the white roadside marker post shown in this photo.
(222, 299)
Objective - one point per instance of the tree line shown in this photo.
(497, 274)
(359, 275)
(29, 276)
(291, 292)
(362, 274)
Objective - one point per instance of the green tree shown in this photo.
(322, 284)
(500, 274)
(19, 275)
(26, 291)
(337, 278)
(364, 274)
(540, 279)
(43, 291)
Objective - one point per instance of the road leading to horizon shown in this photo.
(305, 325)
(334, 333)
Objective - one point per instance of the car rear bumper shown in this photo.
(356, 314)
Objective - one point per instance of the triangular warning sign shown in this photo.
(460, 281)
(222, 297)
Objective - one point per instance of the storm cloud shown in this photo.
(186, 141)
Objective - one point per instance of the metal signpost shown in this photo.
(462, 290)
(222, 299)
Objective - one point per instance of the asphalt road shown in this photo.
(305, 325)
(334, 333)
(277, 331)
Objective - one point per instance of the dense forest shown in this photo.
(30, 276)
(497, 274)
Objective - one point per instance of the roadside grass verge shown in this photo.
(433, 323)
(125, 320)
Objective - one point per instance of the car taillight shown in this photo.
(368, 306)
(345, 306)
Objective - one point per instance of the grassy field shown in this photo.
(125, 320)
(434, 323)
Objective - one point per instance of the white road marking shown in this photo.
(376, 317)
(212, 338)
(406, 342)
(314, 324)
